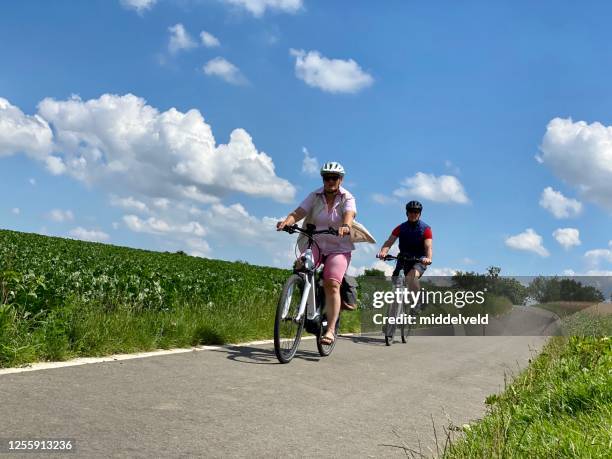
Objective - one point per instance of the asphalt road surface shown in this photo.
(365, 400)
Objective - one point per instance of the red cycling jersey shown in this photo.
(427, 234)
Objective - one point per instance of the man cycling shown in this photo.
(415, 241)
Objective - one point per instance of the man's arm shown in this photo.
(428, 252)
(293, 217)
(384, 250)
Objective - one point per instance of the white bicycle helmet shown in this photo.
(332, 167)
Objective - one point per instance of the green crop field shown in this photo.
(61, 298)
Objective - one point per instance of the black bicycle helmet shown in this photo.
(414, 205)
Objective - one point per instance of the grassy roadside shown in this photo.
(61, 298)
(81, 330)
(560, 406)
(580, 318)
(564, 308)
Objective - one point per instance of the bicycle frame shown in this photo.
(309, 299)
(308, 303)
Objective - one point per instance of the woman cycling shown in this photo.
(331, 205)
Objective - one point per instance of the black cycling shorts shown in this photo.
(406, 266)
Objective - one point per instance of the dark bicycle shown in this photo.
(397, 309)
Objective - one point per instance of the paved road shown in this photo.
(238, 402)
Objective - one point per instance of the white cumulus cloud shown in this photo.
(442, 272)
(231, 226)
(310, 164)
(331, 75)
(140, 6)
(358, 270)
(559, 205)
(179, 39)
(599, 272)
(224, 69)
(258, 7)
(20, 133)
(60, 216)
(596, 256)
(209, 40)
(529, 241)
(56, 165)
(88, 235)
(127, 146)
(198, 247)
(158, 226)
(567, 237)
(161, 203)
(581, 155)
(444, 188)
(129, 203)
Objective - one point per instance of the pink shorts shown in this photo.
(335, 266)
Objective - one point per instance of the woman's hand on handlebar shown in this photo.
(344, 230)
(383, 253)
(284, 225)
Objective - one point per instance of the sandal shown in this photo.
(326, 340)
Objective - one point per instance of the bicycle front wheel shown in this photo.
(288, 330)
(389, 327)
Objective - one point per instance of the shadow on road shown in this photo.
(261, 356)
(371, 339)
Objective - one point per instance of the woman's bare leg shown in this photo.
(332, 305)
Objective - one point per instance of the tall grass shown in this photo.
(86, 329)
(560, 406)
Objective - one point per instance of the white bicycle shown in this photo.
(302, 303)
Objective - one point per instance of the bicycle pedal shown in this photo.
(312, 325)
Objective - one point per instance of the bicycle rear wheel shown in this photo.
(405, 329)
(288, 331)
(404, 333)
(326, 349)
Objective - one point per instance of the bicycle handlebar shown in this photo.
(401, 258)
(309, 231)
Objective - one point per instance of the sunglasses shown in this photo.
(414, 211)
(327, 178)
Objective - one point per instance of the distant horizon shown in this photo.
(427, 276)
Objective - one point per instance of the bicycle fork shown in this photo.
(308, 299)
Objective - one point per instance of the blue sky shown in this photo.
(474, 108)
